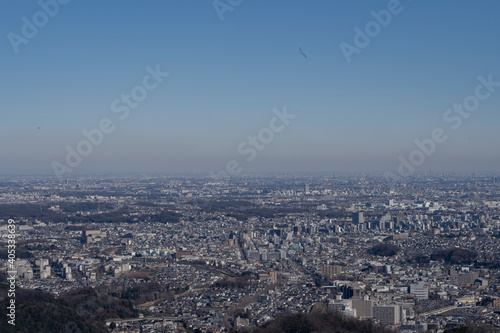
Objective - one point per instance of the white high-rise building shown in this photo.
(420, 291)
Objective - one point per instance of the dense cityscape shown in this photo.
(167, 253)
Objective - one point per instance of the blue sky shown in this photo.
(226, 77)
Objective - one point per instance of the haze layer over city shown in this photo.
(250, 166)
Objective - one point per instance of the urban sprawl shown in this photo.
(210, 255)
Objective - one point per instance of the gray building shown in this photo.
(420, 291)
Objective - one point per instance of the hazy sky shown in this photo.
(226, 77)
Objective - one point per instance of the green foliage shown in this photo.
(385, 250)
(99, 304)
(39, 311)
(30, 211)
(21, 253)
(84, 206)
(144, 292)
(122, 215)
(331, 214)
(420, 259)
(235, 283)
(80, 310)
(166, 216)
(319, 322)
(319, 282)
(473, 328)
(454, 256)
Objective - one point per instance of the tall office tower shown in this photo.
(357, 218)
(306, 188)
